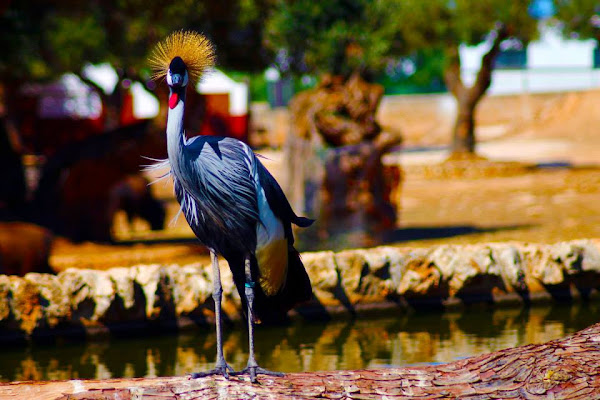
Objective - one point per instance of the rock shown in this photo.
(591, 256)
(90, 293)
(123, 280)
(342, 282)
(421, 278)
(148, 277)
(25, 304)
(51, 293)
(398, 265)
(4, 297)
(191, 288)
(456, 266)
(352, 267)
(322, 270)
(366, 273)
(510, 264)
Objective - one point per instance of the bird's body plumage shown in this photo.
(232, 203)
(218, 194)
(235, 207)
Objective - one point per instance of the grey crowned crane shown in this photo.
(232, 203)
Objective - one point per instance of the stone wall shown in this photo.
(92, 302)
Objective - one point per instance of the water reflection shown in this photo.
(364, 343)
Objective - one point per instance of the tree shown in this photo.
(45, 39)
(580, 18)
(335, 147)
(339, 36)
(445, 25)
(330, 36)
(42, 39)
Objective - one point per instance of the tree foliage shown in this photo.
(331, 35)
(44, 38)
(21, 33)
(447, 24)
(580, 17)
(340, 35)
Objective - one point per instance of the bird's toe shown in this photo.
(254, 371)
(224, 370)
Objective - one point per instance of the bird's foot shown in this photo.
(220, 369)
(253, 371)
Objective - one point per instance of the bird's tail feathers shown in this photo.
(303, 222)
(296, 289)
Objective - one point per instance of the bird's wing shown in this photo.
(218, 176)
(277, 200)
(275, 236)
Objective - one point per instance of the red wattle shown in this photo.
(173, 100)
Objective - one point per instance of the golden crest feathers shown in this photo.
(196, 51)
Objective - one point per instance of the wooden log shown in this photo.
(567, 368)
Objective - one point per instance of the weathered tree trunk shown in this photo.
(464, 128)
(336, 173)
(567, 368)
(467, 98)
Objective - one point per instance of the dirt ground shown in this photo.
(559, 200)
(544, 205)
(502, 199)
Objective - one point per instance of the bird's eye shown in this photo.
(169, 80)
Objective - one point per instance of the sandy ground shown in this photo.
(547, 205)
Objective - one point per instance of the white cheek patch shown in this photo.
(185, 79)
(169, 80)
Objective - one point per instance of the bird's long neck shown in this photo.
(175, 130)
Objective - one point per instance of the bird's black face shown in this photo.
(177, 79)
(177, 75)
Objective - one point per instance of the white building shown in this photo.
(550, 64)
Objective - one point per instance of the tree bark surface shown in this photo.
(567, 368)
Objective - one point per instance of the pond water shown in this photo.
(416, 338)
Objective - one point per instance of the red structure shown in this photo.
(223, 105)
(52, 115)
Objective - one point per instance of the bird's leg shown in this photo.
(221, 366)
(252, 368)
